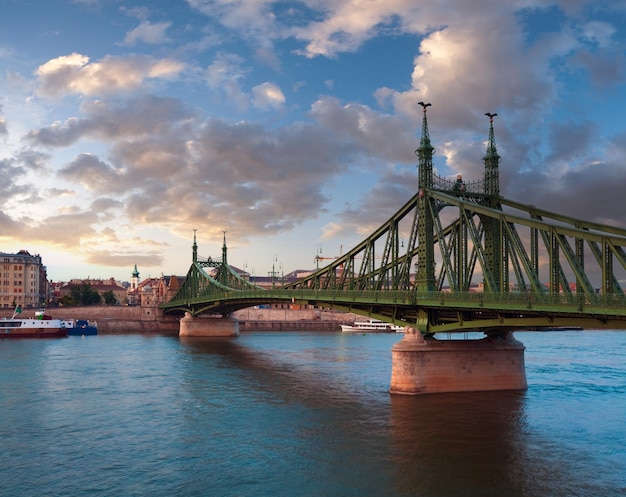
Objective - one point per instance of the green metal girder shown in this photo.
(447, 312)
(491, 237)
(364, 291)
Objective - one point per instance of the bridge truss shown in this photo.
(456, 257)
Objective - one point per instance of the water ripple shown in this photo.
(284, 414)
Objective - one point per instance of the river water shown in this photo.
(303, 414)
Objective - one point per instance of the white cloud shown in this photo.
(348, 24)
(225, 68)
(267, 95)
(149, 33)
(253, 20)
(74, 74)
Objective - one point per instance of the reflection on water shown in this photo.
(458, 444)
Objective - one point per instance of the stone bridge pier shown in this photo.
(208, 326)
(421, 366)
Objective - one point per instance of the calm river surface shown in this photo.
(303, 414)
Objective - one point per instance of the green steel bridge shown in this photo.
(534, 269)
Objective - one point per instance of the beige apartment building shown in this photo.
(23, 280)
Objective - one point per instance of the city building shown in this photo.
(153, 291)
(101, 286)
(24, 280)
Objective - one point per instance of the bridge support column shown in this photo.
(205, 326)
(421, 366)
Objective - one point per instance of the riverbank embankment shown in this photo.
(150, 319)
(112, 319)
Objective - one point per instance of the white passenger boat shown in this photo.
(42, 326)
(371, 326)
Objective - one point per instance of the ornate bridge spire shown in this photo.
(195, 247)
(425, 154)
(425, 279)
(491, 160)
(224, 250)
(495, 253)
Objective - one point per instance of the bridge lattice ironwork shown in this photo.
(457, 256)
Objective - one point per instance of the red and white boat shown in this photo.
(41, 326)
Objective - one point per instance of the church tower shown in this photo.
(134, 281)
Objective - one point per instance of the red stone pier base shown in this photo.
(206, 326)
(421, 366)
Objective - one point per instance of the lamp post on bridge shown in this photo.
(274, 273)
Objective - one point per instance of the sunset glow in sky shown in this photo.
(292, 126)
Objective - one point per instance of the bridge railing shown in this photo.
(611, 304)
(454, 185)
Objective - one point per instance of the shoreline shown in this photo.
(150, 320)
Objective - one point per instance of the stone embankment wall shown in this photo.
(258, 319)
(136, 319)
(112, 319)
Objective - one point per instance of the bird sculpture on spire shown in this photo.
(424, 105)
(490, 115)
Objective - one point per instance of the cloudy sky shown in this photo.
(292, 126)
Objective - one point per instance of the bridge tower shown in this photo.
(423, 364)
(224, 251)
(207, 326)
(496, 277)
(491, 159)
(194, 248)
(425, 278)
